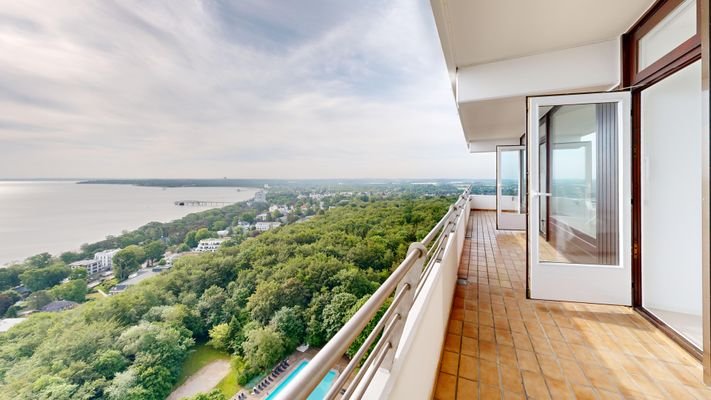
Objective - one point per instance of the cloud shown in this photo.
(180, 88)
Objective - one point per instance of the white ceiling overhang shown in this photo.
(499, 52)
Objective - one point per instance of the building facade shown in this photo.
(209, 245)
(105, 259)
(265, 226)
(92, 267)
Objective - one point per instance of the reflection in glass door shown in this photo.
(582, 206)
(510, 173)
(543, 178)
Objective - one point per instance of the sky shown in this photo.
(217, 88)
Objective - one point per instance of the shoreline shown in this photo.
(55, 248)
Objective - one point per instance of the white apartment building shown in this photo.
(104, 259)
(265, 226)
(91, 267)
(209, 245)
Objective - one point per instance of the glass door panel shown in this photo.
(510, 214)
(578, 230)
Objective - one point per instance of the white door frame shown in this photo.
(509, 221)
(606, 284)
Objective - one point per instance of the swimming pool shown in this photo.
(318, 394)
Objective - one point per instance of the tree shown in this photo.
(289, 322)
(7, 299)
(335, 313)
(109, 363)
(127, 261)
(154, 250)
(263, 347)
(43, 278)
(214, 394)
(40, 260)
(10, 277)
(190, 240)
(74, 290)
(249, 217)
(39, 299)
(265, 301)
(218, 225)
(220, 336)
(125, 386)
(204, 233)
(211, 304)
(78, 273)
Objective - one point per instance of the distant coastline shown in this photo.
(257, 183)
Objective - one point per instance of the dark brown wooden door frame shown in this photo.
(682, 56)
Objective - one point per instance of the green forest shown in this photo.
(257, 298)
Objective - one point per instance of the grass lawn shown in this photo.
(200, 356)
(228, 385)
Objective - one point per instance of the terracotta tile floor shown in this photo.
(500, 345)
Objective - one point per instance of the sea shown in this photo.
(58, 216)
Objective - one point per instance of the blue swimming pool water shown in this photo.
(318, 394)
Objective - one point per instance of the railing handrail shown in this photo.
(309, 378)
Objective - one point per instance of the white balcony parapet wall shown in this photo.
(414, 370)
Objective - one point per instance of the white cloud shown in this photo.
(211, 89)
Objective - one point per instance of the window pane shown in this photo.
(672, 201)
(672, 31)
(583, 217)
(510, 163)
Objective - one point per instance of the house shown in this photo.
(265, 226)
(262, 217)
(587, 273)
(243, 224)
(223, 233)
(105, 259)
(209, 245)
(59, 305)
(92, 267)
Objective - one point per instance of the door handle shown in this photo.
(541, 194)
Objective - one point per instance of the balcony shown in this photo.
(501, 345)
(468, 332)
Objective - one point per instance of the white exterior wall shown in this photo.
(105, 259)
(209, 245)
(488, 202)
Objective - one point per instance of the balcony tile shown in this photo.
(468, 368)
(469, 329)
(446, 387)
(466, 389)
(488, 372)
(489, 392)
(452, 342)
(500, 344)
(535, 385)
(450, 363)
(455, 327)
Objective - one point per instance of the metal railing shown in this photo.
(406, 283)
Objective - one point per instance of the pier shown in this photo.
(201, 203)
